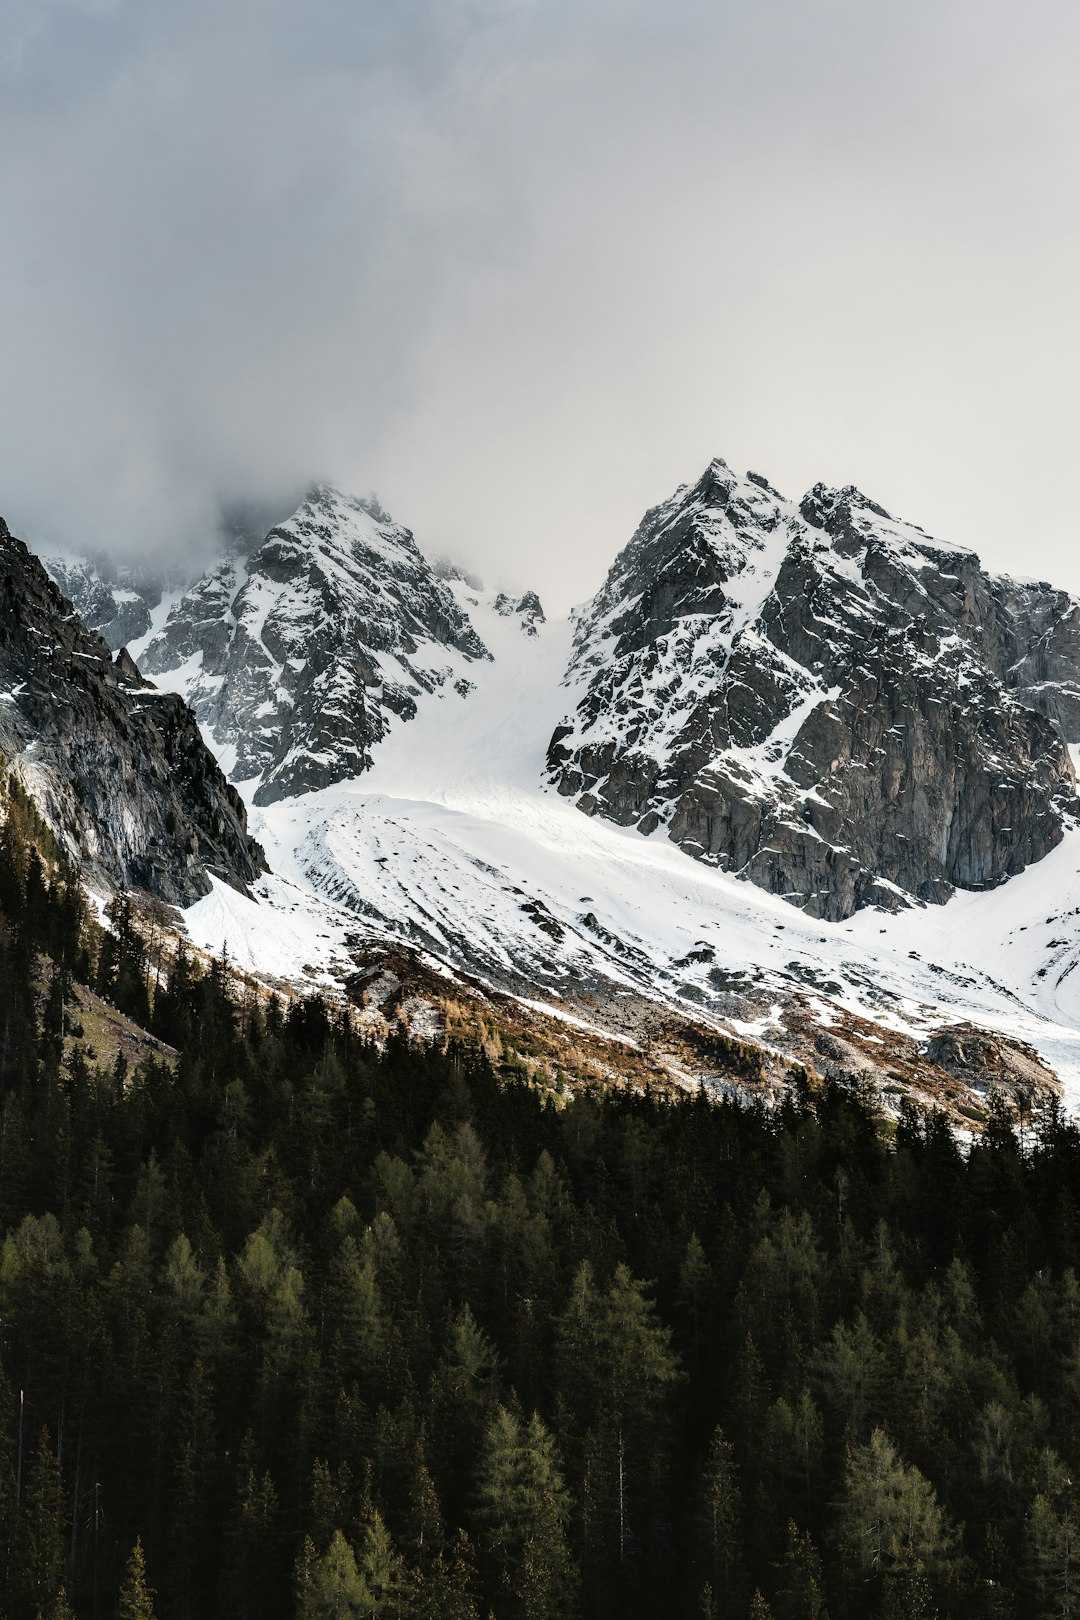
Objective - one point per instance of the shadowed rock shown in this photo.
(119, 769)
(821, 699)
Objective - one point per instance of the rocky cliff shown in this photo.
(822, 699)
(300, 652)
(119, 769)
(116, 602)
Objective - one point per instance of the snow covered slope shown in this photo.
(452, 843)
(846, 686)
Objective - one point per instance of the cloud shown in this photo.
(524, 266)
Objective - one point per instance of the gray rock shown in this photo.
(117, 603)
(119, 769)
(526, 609)
(822, 699)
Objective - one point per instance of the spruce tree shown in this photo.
(522, 1520)
(718, 1523)
(136, 1598)
(331, 1587)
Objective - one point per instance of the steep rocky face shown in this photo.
(120, 770)
(299, 653)
(821, 698)
(525, 609)
(1035, 648)
(1026, 632)
(116, 603)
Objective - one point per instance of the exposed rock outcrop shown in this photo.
(526, 609)
(821, 699)
(119, 769)
(986, 1061)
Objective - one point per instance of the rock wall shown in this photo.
(821, 699)
(119, 770)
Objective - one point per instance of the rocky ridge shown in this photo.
(119, 770)
(116, 602)
(300, 652)
(822, 699)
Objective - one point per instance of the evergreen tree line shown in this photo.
(296, 1328)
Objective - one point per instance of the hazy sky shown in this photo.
(522, 266)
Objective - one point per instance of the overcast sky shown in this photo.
(522, 266)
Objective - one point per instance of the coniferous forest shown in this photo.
(292, 1328)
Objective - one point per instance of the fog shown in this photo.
(521, 268)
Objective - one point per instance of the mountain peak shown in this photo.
(720, 485)
(826, 508)
(804, 713)
(333, 499)
(300, 654)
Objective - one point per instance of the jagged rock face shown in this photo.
(526, 610)
(119, 770)
(821, 699)
(117, 604)
(301, 652)
(1035, 648)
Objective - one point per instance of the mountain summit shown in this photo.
(299, 653)
(813, 695)
(820, 698)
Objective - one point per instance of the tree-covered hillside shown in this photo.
(292, 1329)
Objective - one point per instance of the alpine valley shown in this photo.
(795, 788)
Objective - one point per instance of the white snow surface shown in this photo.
(158, 617)
(451, 835)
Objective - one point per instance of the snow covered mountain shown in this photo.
(451, 846)
(821, 699)
(300, 653)
(811, 696)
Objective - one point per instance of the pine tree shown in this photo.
(381, 1567)
(251, 1541)
(1052, 1556)
(719, 1520)
(136, 1598)
(522, 1520)
(800, 1593)
(43, 1530)
(891, 1523)
(59, 1608)
(462, 1394)
(444, 1589)
(331, 1587)
(695, 1283)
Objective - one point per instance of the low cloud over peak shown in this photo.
(522, 267)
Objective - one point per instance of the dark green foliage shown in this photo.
(332, 1332)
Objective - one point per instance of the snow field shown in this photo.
(451, 836)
